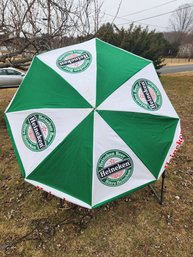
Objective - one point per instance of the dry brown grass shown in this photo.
(32, 225)
(177, 61)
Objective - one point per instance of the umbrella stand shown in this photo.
(159, 198)
(61, 201)
(156, 194)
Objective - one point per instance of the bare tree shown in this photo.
(89, 17)
(182, 19)
(14, 19)
(28, 27)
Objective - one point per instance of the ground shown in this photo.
(33, 225)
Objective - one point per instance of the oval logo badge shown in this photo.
(74, 61)
(38, 132)
(146, 95)
(114, 168)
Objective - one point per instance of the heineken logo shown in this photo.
(74, 61)
(146, 95)
(38, 132)
(114, 168)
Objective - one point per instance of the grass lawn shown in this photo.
(134, 226)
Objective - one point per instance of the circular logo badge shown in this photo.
(74, 61)
(114, 168)
(146, 95)
(38, 132)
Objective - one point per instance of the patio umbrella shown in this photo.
(91, 123)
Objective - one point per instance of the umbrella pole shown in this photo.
(61, 203)
(162, 187)
(159, 198)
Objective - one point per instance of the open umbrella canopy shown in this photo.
(92, 122)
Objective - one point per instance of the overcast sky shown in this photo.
(128, 7)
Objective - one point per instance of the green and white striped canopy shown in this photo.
(92, 122)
